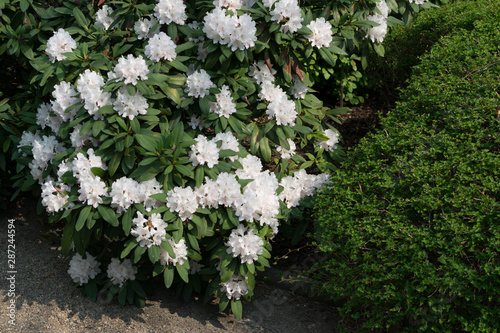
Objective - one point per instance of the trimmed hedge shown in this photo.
(404, 46)
(412, 223)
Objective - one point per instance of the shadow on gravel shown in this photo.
(46, 300)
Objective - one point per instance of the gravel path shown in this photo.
(44, 299)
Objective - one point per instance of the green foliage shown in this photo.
(411, 226)
(405, 45)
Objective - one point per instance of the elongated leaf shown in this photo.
(154, 253)
(82, 218)
(168, 276)
(108, 215)
(80, 18)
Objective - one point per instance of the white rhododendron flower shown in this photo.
(146, 189)
(228, 4)
(198, 84)
(78, 140)
(321, 33)
(65, 96)
(183, 201)
(143, 26)
(168, 11)
(55, 196)
(204, 152)
(45, 149)
(244, 243)
(180, 251)
(236, 32)
(235, 287)
(224, 106)
(196, 122)
(224, 191)
(121, 272)
(261, 72)
(300, 185)
(81, 270)
(46, 117)
(150, 230)
(124, 193)
(89, 85)
(417, 2)
(283, 110)
(160, 46)
(377, 34)
(331, 143)
(299, 89)
(61, 42)
(130, 106)
(252, 167)
(130, 70)
(287, 11)
(103, 18)
(91, 190)
(287, 153)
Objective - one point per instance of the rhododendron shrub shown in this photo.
(175, 138)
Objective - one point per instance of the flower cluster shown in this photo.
(121, 272)
(149, 231)
(331, 143)
(92, 188)
(143, 26)
(235, 287)
(126, 192)
(377, 34)
(81, 270)
(245, 244)
(204, 152)
(180, 251)
(198, 84)
(130, 69)
(160, 46)
(224, 106)
(89, 85)
(130, 106)
(300, 185)
(168, 11)
(103, 17)
(237, 32)
(61, 42)
(287, 11)
(321, 33)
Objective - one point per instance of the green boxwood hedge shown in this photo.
(405, 45)
(412, 224)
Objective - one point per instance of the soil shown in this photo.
(46, 300)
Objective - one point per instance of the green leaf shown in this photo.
(265, 150)
(127, 221)
(154, 253)
(237, 309)
(173, 94)
(67, 237)
(136, 286)
(108, 215)
(80, 18)
(122, 296)
(139, 251)
(147, 142)
(183, 273)
(84, 214)
(129, 247)
(168, 247)
(168, 276)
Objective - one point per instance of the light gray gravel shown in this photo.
(45, 301)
